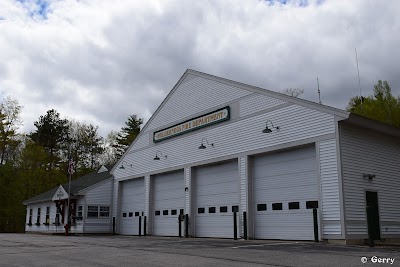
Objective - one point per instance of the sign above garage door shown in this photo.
(199, 122)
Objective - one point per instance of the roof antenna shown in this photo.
(359, 83)
(319, 92)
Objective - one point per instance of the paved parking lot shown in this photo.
(46, 250)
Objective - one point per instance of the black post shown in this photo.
(186, 225)
(180, 225)
(234, 226)
(113, 226)
(245, 225)
(144, 226)
(140, 225)
(370, 229)
(316, 239)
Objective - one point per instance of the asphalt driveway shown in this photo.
(47, 250)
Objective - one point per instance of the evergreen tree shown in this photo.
(127, 134)
(51, 133)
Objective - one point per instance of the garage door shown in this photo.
(132, 206)
(216, 197)
(169, 201)
(285, 189)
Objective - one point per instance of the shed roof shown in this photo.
(372, 124)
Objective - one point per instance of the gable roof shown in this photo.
(189, 73)
(77, 185)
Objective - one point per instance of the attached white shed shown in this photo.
(215, 149)
(90, 205)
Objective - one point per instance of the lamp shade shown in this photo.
(267, 130)
(202, 146)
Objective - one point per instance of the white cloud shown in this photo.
(101, 61)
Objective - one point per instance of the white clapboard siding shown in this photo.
(142, 141)
(256, 102)
(283, 177)
(330, 197)
(216, 186)
(97, 225)
(180, 104)
(194, 96)
(296, 123)
(132, 206)
(99, 195)
(364, 151)
(330, 228)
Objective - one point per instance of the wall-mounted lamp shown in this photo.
(122, 167)
(157, 155)
(368, 176)
(205, 142)
(268, 130)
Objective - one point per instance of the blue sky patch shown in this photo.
(36, 8)
(43, 8)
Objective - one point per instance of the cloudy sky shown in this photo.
(101, 61)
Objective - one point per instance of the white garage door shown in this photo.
(169, 201)
(285, 188)
(216, 197)
(132, 206)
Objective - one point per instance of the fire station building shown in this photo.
(217, 149)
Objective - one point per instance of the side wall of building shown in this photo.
(100, 196)
(366, 152)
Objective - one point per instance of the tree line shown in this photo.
(381, 106)
(32, 163)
